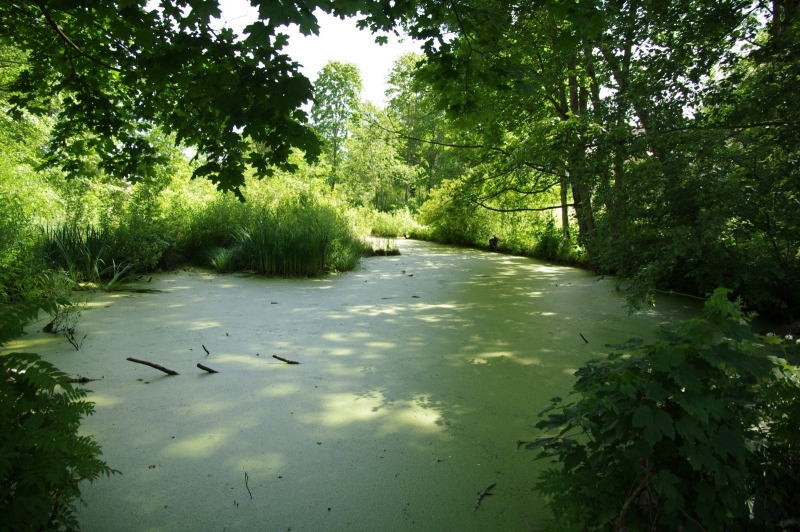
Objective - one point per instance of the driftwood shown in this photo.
(285, 360)
(484, 493)
(206, 368)
(152, 365)
(81, 380)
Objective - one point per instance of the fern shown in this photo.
(42, 457)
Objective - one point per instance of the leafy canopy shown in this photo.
(112, 70)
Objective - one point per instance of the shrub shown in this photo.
(42, 457)
(689, 433)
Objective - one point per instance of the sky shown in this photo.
(339, 40)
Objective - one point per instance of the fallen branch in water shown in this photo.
(484, 493)
(246, 478)
(81, 380)
(285, 360)
(206, 368)
(152, 365)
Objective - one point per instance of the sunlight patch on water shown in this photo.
(200, 446)
(198, 325)
(342, 409)
(102, 400)
(262, 463)
(212, 407)
(486, 357)
(278, 390)
(381, 345)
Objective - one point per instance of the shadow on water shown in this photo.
(418, 375)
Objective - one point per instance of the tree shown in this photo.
(114, 70)
(337, 93)
(372, 171)
(420, 124)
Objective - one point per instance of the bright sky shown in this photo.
(338, 40)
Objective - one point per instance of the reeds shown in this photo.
(81, 251)
(299, 237)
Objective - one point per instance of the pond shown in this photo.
(418, 374)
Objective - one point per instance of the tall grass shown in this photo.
(80, 250)
(298, 237)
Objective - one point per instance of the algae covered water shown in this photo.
(418, 375)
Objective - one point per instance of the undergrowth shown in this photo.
(697, 432)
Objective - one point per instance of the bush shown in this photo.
(42, 457)
(689, 433)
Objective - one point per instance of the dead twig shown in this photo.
(484, 493)
(206, 368)
(206, 350)
(152, 365)
(246, 478)
(584, 339)
(285, 360)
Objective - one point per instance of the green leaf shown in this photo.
(664, 482)
(643, 417)
(664, 424)
(655, 392)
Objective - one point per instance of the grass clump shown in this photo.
(299, 236)
(80, 250)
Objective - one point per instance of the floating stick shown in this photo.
(484, 493)
(584, 339)
(285, 360)
(206, 368)
(206, 350)
(246, 478)
(152, 365)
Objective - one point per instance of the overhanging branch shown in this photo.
(522, 209)
(74, 46)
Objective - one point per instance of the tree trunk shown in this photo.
(564, 210)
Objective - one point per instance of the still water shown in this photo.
(418, 374)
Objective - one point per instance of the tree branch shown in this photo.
(72, 44)
(521, 209)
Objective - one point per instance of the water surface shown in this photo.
(418, 375)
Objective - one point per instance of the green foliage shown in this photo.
(43, 459)
(453, 218)
(382, 224)
(694, 432)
